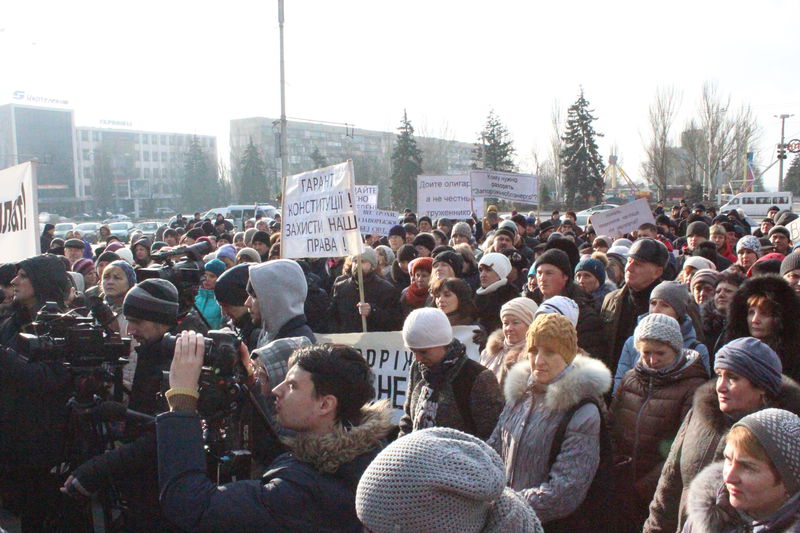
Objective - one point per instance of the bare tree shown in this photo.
(660, 160)
(556, 147)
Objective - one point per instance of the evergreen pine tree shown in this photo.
(406, 166)
(583, 165)
(318, 159)
(201, 180)
(252, 174)
(791, 181)
(494, 149)
(103, 178)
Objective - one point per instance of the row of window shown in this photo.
(152, 138)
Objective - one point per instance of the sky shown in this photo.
(192, 66)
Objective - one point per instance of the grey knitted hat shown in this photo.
(778, 431)
(674, 293)
(369, 254)
(790, 262)
(461, 228)
(662, 328)
(440, 480)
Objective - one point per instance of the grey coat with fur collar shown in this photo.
(527, 426)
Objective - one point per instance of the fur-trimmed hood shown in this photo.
(588, 377)
(327, 453)
(494, 344)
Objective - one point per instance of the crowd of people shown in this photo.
(638, 382)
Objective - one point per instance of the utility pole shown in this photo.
(284, 153)
(781, 149)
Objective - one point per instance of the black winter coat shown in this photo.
(382, 296)
(489, 306)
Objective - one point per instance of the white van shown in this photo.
(756, 204)
(240, 213)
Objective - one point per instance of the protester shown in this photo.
(714, 312)
(780, 238)
(413, 486)
(453, 297)
(494, 290)
(205, 300)
(446, 388)
(748, 380)
(590, 275)
(790, 270)
(416, 295)
(703, 284)
(507, 344)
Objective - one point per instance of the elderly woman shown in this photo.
(649, 406)
(748, 379)
(757, 486)
(552, 386)
(766, 308)
(703, 284)
(507, 344)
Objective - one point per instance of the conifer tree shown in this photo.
(319, 160)
(201, 179)
(792, 180)
(252, 175)
(406, 166)
(582, 163)
(494, 149)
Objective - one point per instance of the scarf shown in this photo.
(435, 378)
(416, 295)
(493, 287)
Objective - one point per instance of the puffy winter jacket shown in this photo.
(206, 302)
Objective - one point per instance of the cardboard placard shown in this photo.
(523, 188)
(19, 228)
(623, 219)
(444, 196)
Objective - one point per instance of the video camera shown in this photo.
(182, 274)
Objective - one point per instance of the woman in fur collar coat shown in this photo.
(507, 344)
(539, 393)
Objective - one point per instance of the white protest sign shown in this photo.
(623, 219)
(444, 196)
(19, 229)
(366, 196)
(319, 214)
(390, 360)
(376, 221)
(794, 230)
(523, 188)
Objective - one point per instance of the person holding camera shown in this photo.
(324, 399)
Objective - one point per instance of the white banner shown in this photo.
(794, 230)
(366, 196)
(623, 219)
(376, 221)
(319, 214)
(390, 360)
(522, 188)
(19, 229)
(444, 196)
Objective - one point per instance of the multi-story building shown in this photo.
(87, 168)
(308, 143)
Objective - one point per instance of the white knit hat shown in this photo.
(440, 480)
(126, 254)
(699, 263)
(560, 305)
(522, 308)
(497, 262)
(662, 328)
(427, 327)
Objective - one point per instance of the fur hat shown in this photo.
(397, 230)
(660, 328)
(556, 332)
(454, 259)
(778, 432)
(497, 262)
(521, 307)
(425, 240)
(427, 327)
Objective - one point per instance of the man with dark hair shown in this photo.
(323, 400)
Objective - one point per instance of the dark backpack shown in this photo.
(594, 513)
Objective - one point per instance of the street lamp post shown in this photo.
(781, 149)
(284, 154)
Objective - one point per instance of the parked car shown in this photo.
(89, 231)
(148, 229)
(117, 218)
(583, 216)
(121, 230)
(239, 213)
(62, 228)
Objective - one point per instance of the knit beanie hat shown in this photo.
(627, 243)
(790, 262)
(593, 267)
(557, 258)
(440, 480)
(126, 268)
(698, 228)
(461, 228)
(156, 246)
(387, 252)
(426, 240)
(706, 275)
(420, 263)
(215, 266)
(108, 257)
(76, 280)
(8, 271)
(662, 328)
(602, 239)
(126, 255)
(749, 242)
(497, 262)
(249, 254)
(228, 251)
(114, 246)
(521, 307)
(560, 305)
(620, 251)
(454, 259)
(74, 243)
(195, 233)
(556, 332)
(427, 327)
(369, 255)
(778, 432)
(397, 230)
(248, 236)
(753, 359)
(407, 252)
(699, 263)
(507, 231)
(155, 300)
(83, 266)
(777, 229)
(674, 293)
(231, 287)
(261, 236)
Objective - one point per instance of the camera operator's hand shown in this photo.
(73, 488)
(184, 373)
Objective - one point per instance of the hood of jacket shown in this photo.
(691, 367)
(329, 452)
(588, 377)
(776, 289)
(48, 276)
(281, 290)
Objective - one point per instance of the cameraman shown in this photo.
(151, 309)
(33, 400)
(324, 400)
